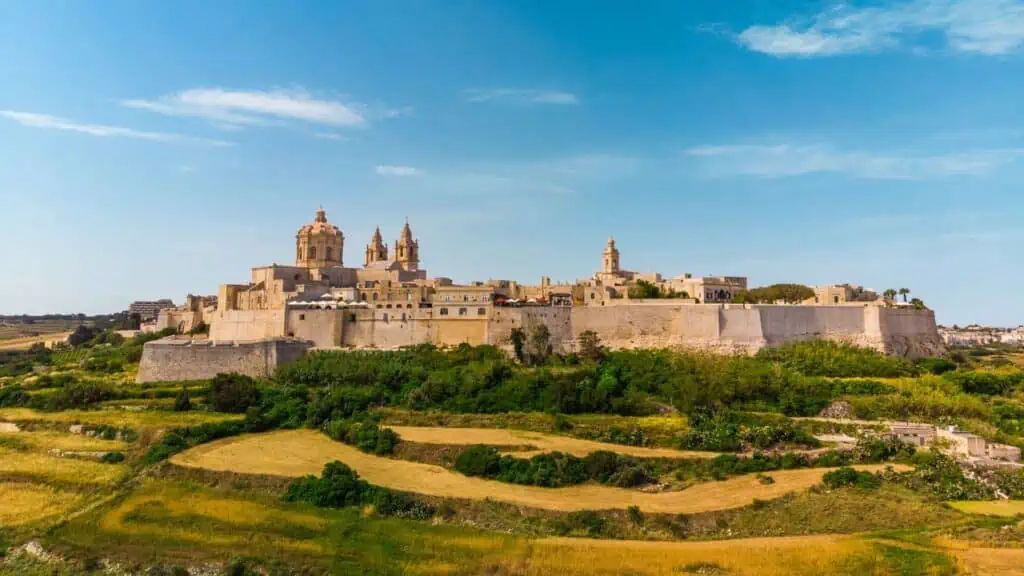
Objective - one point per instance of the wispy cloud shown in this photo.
(233, 109)
(391, 170)
(101, 130)
(975, 26)
(783, 160)
(519, 96)
(329, 136)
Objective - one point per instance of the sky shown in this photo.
(153, 149)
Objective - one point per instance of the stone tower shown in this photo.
(610, 262)
(376, 250)
(319, 245)
(407, 250)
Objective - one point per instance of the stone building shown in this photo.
(390, 301)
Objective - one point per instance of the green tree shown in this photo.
(889, 295)
(233, 393)
(643, 289)
(789, 293)
(917, 303)
(182, 403)
(539, 343)
(904, 292)
(590, 346)
(518, 338)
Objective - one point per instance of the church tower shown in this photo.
(376, 250)
(610, 263)
(319, 245)
(407, 250)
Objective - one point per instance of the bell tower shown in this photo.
(407, 250)
(610, 261)
(376, 250)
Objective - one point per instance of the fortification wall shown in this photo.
(321, 327)
(247, 325)
(911, 332)
(383, 329)
(171, 359)
(781, 324)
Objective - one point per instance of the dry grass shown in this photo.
(300, 452)
(992, 561)
(761, 556)
(45, 468)
(166, 511)
(27, 503)
(996, 508)
(26, 342)
(144, 419)
(542, 442)
(43, 440)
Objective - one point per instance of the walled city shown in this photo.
(390, 302)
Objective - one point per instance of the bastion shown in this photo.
(176, 358)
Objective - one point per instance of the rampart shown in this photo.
(173, 358)
(727, 327)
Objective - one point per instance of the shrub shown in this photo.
(479, 461)
(848, 476)
(337, 487)
(839, 360)
(367, 435)
(233, 393)
(587, 521)
(182, 402)
(635, 515)
(112, 458)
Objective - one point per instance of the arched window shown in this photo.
(312, 253)
(328, 255)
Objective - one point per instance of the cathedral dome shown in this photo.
(319, 244)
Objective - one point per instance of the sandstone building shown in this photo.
(390, 301)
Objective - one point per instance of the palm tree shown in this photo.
(889, 295)
(904, 292)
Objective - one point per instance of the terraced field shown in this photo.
(1006, 508)
(540, 442)
(300, 452)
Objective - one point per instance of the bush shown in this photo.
(367, 436)
(484, 461)
(337, 487)
(182, 402)
(233, 393)
(847, 476)
(589, 522)
(112, 458)
(838, 360)
(635, 515)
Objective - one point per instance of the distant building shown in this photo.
(149, 309)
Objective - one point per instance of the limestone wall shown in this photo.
(170, 359)
(247, 325)
(321, 327)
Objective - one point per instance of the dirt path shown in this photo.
(301, 452)
(542, 442)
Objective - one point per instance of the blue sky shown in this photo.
(149, 149)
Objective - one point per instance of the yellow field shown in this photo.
(46, 439)
(996, 508)
(159, 510)
(993, 561)
(143, 419)
(26, 503)
(300, 452)
(760, 556)
(542, 442)
(53, 469)
(26, 342)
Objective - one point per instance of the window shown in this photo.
(465, 298)
(384, 318)
(388, 306)
(462, 311)
(302, 316)
(312, 252)
(408, 305)
(351, 317)
(835, 299)
(380, 306)
(328, 256)
(403, 316)
(375, 296)
(481, 311)
(296, 277)
(444, 311)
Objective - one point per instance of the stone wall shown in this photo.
(170, 359)
(247, 325)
